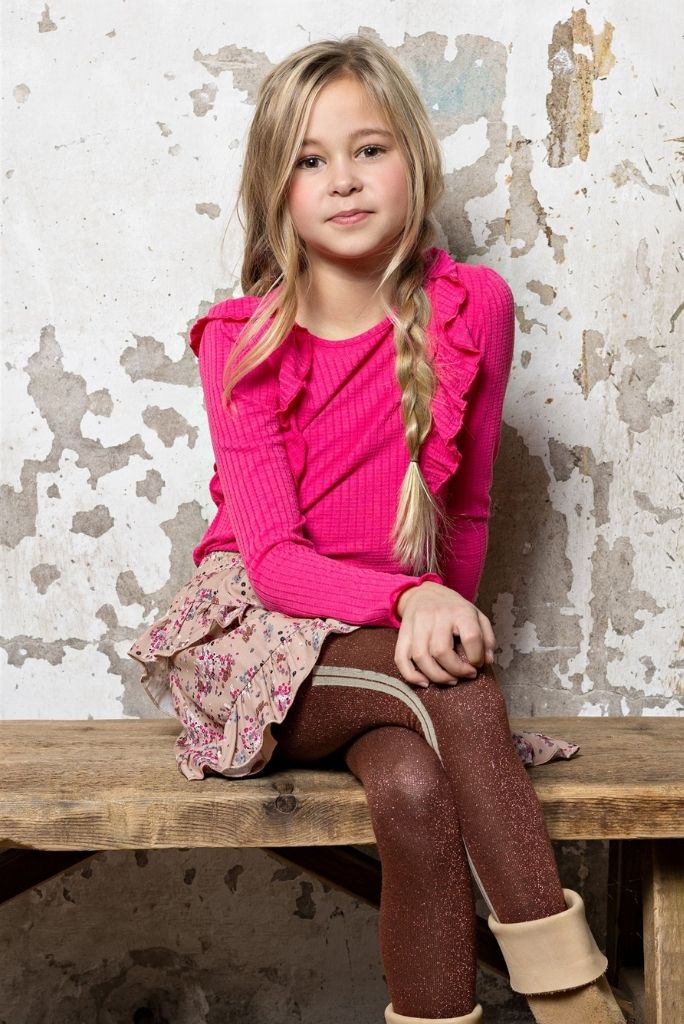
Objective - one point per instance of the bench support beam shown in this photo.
(663, 895)
(21, 870)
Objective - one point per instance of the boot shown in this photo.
(593, 1004)
(392, 1017)
(555, 962)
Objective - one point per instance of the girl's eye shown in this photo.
(300, 163)
(305, 159)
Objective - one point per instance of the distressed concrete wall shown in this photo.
(123, 127)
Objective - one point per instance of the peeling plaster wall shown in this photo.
(562, 135)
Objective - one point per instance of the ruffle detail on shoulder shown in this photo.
(295, 368)
(293, 357)
(237, 310)
(457, 358)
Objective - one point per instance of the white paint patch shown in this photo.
(589, 710)
(80, 687)
(584, 50)
(673, 708)
(451, 49)
(467, 144)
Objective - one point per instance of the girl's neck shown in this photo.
(340, 302)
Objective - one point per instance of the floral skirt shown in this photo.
(228, 669)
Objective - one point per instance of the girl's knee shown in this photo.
(413, 797)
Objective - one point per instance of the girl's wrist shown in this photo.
(405, 595)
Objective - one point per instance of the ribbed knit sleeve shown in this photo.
(490, 317)
(259, 489)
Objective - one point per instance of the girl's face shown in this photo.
(349, 161)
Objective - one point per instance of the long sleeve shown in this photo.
(259, 489)
(491, 319)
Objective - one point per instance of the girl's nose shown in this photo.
(343, 178)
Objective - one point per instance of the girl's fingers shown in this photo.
(470, 635)
(436, 657)
(418, 666)
(405, 664)
(439, 668)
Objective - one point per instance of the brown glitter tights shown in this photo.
(442, 777)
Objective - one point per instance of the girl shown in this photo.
(354, 396)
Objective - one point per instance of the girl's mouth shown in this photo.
(354, 218)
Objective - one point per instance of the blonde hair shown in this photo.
(274, 257)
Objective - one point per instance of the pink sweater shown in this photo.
(307, 475)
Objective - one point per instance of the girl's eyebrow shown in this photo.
(352, 135)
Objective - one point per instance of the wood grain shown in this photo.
(113, 784)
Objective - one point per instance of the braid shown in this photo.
(416, 535)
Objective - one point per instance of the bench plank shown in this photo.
(113, 784)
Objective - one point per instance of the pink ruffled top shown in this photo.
(307, 472)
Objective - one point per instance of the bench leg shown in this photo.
(663, 894)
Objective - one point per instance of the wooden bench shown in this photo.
(70, 788)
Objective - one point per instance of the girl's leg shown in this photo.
(356, 686)
(426, 922)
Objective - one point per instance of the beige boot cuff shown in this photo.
(550, 954)
(392, 1017)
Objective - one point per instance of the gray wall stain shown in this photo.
(21, 92)
(662, 515)
(564, 460)
(230, 879)
(46, 24)
(525, 324)
(151, 487)
(626, 171)
(203, 99)
(306, 905)
(147, 360)
(546, 292)
(635, 406)
(44, 575)
(93, 523)
(100, 403)
(614, 606)
(527, 219)
(569, 102)
(597, 361)
(20, 648)
(642, 266)
(211, 210)
(169, 425)
(248, 67)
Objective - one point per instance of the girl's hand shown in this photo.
(430, 616)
